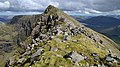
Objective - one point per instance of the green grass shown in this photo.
(55, 58)
(49, 58)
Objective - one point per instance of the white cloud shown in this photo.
(4, 5)
(56, 4)
(92, 11)
(30, 5)
(69, 5)
(19, 13)
(100, 5)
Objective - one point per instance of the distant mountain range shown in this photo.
(102, 21)
(5, 18)
(108, 25)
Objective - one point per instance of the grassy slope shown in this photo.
(85, 45)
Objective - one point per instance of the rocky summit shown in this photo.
(54, 39)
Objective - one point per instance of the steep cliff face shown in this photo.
(24, 25)
(55, 39)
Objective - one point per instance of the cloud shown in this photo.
(29, 5)
(19, 13)
(66, 5)
(4, 5)
(106, 5)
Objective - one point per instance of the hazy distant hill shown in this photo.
(102, 21)
(108, 25)
(5, 18)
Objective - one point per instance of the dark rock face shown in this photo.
(24, 25)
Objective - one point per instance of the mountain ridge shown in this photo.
(54, 37)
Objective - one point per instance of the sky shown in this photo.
(38, 6)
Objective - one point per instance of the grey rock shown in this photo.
(59, 31)
(36, 30)
(94, 54)
(87, 64)
(36, 44)
(33, 41)
(28, 47)
(12, 60)
(32, 47)
(110, 64)
(26, 53)
(37, 53)
(43, 36)
(51, 37)
(54, 32)
(76, 57)
(37, 39)
(75, 41)
(21, 60)
(54, 49)
(74, 31)
(109, 59)
(39, 23)
(66, 37)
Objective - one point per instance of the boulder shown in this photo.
(12, 60)
(21, 60)
(94, 54)
(39, 23)
(33, 41)
(54, 32)
(26, 53)
(74, 56)
(51, 37)
(59, 31)
(110, 64)
(28, 47)
(36, 31)
(54, 49)
(109, 59)
(37, 39)
(74, 31)
(37, 53)
(87, 64)
(66, 37)
(75, 41)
